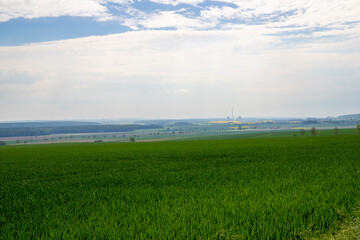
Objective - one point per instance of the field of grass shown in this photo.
(166, 135)
(260, 188)
(269, 134)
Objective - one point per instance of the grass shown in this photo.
(348, 229)
(144, 135)
(261, 188)
(270, 134)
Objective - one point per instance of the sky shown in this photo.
(90, 59)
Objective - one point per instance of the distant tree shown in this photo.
(313, 131)
(302, 132)
(132, 139)
(358, 129)
(17, 141)
(336, 130)
(2, 143)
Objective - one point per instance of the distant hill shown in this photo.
(182, 124)
(350, 117)
(46, 124)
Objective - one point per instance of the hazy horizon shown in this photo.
(178, 59)
(150, 119)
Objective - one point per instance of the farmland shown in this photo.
(282, 187)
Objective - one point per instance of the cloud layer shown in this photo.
(178, 74)
(285, 13)
(48, 8)
(307, 20)
(294, 21)
(187, 58)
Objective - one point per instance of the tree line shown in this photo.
(38, 131)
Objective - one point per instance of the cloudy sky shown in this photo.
(83, 59)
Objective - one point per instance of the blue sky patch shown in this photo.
(22, 31)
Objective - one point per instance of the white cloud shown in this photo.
(177, 2)
(84, 8)
(49, 8)
(165, 19)
(216, 13)
(289, 12)
(274, 17)
(122, 2)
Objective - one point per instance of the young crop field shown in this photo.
(261, 188)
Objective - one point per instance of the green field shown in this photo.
(279, 187)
